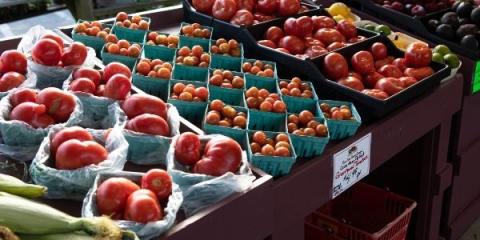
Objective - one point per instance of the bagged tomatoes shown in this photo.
(221, 155)
(112, 195)
(50, 51)
(68, 134)
(33, 114)
(59, 104)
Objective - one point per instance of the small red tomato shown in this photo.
(118, 87)
(363, 63)
(379, 51)
(242, 18)
(293, 44)
(408, 81)
(75, 54)
(89, 73)
(267, 7)
(304, 25)
(23, 95)
(13, 60)
(149, 124)
(204, 6)
(290, 27)
(115, 68)
(83, 85)
(323, 22)
(400, 63)
(390, 70)
(187, 148)
(390, 85)
(418, 73)
(47, 52)
(288, 7)
(224, 9)
(418, 54)
(159, 182)
(142, 208)
(274, 34)
(67, 134)
(371, 79)
(352, 82)
(347, 28)
(336, 45)
(383, 62)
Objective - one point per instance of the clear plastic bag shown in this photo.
(145, 149)
(144, 231)
(20, 141)
(48, 76)
(74, 184)
(96, 109)
(200, 190)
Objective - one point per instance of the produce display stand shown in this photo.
(275, 209)
(462, 203)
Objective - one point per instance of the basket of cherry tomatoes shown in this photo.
(161, 46)
(132, 28)
(192, 34)
(92, 34)
(308, 132)
(152, 76)
(192, 64)
(342, 118)
(226, 54)
(227, 120)
(190, 98)
(261, 74)
(298, 95)
(266, 110)
(227, 86)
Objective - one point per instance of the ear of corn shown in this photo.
(17, 187)
(24, 216)
(58, 236)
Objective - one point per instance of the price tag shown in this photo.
(351, 164)
(476, 79)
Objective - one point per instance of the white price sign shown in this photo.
(351, 164)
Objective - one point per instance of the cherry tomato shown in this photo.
(138, 104)
(149, 124)
(242, 17)
(379, 51)
(288, 7)
(187, 148)
(335, 66)
(11, 80)
(75, 54)
(221, 155)
(118, 87)
(112, 194)
(47, 52)
(267, 7)
(67, 134)
(13, 60)
(23, 95)
(142, 208)
(60, 104)
(204, 6)
(89, 73)
(159, 182)
(363, 63)
(74, 154)
(224, 9)
(114, 68)
(274, 34)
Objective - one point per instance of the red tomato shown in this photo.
(304, 25)
(75, 54)
(379, 51)
(187, 148)
(274, 34)
(112, 194)
(47, 52)
(371, 79)
(400, 63)
(118, 87)
(363, 63)
(328, 36)
(55, 38)
(83, 85)
(267, 43)
(247, 4)
(224, 9)
(149, 124)
(290, 27)
(352, 82)
(315, 51)
(221, 155)
(23, 95)
(376, 93)
(204, 6)
(69, 133)
(114, 68)
(74, 154)
(390, 85)
(347, 28)
(408, 81)
(260, 17)
(242, 17)
(89, 73)
(60, 104)
(383, 62)
(42, 121)
(27, 111)
(293, 44)
(267, 7)
(336, 45)
(310, 41)
(335, 66)
(159, 182)
(11, 80)
(418, 54)
(418, 73)
(143, 103)
(288, 7)
(100, 91)
(142, 208)
(390, 70)
(355, 74)
(13, 60)
(323, 22)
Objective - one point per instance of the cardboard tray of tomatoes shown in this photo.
(226, 29)
(289, 61)
(370, 107)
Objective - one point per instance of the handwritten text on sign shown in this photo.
(351, 164)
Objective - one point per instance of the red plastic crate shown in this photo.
(363, 212)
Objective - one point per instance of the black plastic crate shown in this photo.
(291, 62)
(371, 107)
(191, 15)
